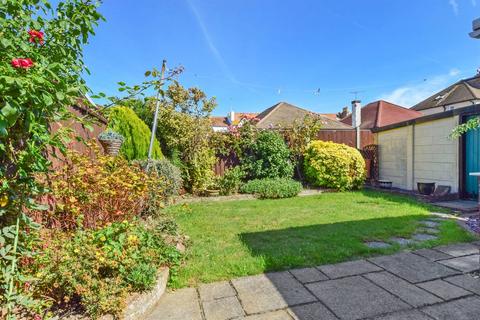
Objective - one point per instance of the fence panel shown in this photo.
(347, 137)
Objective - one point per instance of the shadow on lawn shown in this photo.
(325, 243)
(311, 246)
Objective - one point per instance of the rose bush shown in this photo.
(41, 69)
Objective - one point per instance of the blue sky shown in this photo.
(250, 54)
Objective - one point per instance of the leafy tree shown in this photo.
(184, 131)
(298, 136)
(40, 77)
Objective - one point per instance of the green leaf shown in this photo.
(11, 114)
(5, 42)
(60, 96)
(47, 99)
(3, 127)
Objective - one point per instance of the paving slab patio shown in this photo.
(413, 268)
(432, 255)
(458, 250)
(464, 264)
(405, 315)
(350, 268)
(444, 290)
(270, 291)
(408, 292)
(355, 298)
(312, 311)
(306, 275)
(426, 284)
(462, 309)
(466, 281)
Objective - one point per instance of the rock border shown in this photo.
(139, 304)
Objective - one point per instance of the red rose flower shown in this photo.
(22, 63)
(35, 36)
(37, 317)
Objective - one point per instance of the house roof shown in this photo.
(284, 114)
(382, 113)
(461, 91)
(223, 122)
(332, 116)
(473, 109)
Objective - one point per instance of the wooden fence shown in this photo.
(368, 149)
(347, 137)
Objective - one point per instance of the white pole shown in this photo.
(157, 107)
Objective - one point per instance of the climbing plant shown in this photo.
(41, 64)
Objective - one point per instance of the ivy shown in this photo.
(472, 124)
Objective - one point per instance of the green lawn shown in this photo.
(236, 238)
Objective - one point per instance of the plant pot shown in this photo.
(384, 184)
(111, 147)
(426, 188)
(212, 192)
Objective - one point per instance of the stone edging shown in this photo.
(139, 304)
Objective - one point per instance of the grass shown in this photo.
(236, 238)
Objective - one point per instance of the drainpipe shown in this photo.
(413, 156)
(357, 120)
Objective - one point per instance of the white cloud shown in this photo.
(410, 95)
(474, 3)
(454, 5)
(454, 72)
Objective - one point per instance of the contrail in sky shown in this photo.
(211, 45)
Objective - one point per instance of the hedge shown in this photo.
(334, 165)
(136, 133)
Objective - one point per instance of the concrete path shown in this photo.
(459, 205)
(423, 284)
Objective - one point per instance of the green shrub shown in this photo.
(98, 268)
(334, 165)
(272, 188)
(268, 157)
(231, 181)
(136, 133)
(170, 175)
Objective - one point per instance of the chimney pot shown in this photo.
(231, 116)
(356, 113)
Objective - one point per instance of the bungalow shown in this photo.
(461, 94)
(382, 113)
(420, 149)
(282, 114)
(221, 124)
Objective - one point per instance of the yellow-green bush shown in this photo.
(334, 165)
(123, 120)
